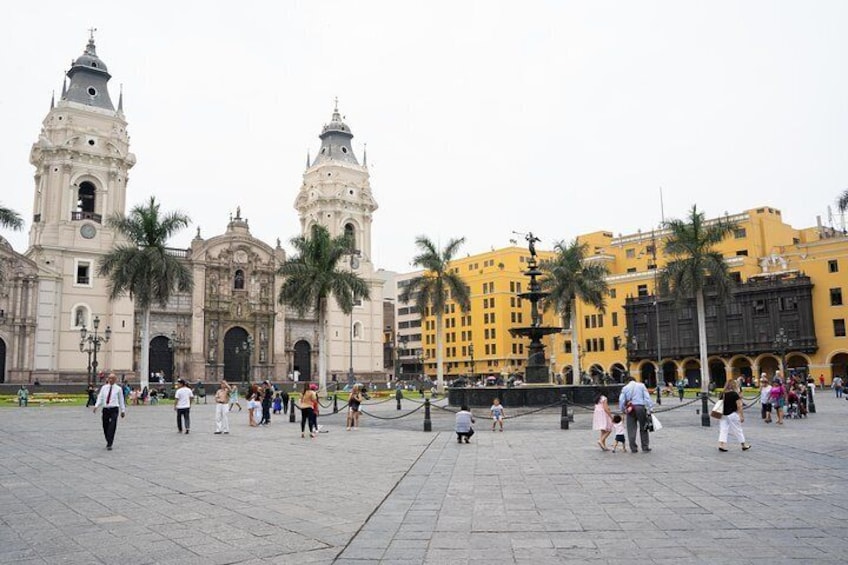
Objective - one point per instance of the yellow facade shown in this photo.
(763, 244)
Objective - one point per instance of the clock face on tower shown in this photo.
(88, 231)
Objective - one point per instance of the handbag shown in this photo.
(649, 425)
(718, 410)
(628, 407)
(656, 423)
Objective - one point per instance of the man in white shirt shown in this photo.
(111, 397)
(635, 394)
(182, 404)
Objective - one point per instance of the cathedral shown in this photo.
(57, 323)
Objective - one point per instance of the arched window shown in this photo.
(85, 197)
(238, 280)
(350, 234)
(357, 330)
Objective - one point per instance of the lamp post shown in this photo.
(781, 344)
(471, 354)
(354, 264)
(421, 358)
(398, 350)
(90, 343)
(245, 350)
(174, 343)
(660, 373)
(631, 344)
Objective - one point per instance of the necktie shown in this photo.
(109, 395)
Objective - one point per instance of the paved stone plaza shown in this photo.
(390, 493)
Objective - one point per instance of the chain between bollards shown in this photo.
(428, 425)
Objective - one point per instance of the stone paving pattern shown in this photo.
(391, 493)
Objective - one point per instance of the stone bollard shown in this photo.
(336, 403)
(811, 402)
(563, 419)
(291, 411)
(428, 425)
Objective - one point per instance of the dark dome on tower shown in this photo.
(88, 80)
(335, 141)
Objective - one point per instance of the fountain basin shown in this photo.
(531, 395)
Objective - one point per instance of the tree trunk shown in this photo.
(575, 345)
(440, 370)
(322, 347)
(702, 341)
(144, 362)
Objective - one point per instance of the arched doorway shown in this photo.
(797, 366)
(769, 365)
(2, 361)
(568, 375)
(669, 372)
(692, 373)
(236, 355)
(839, 366)
(303, 360)
(161, 358)
(648, 374)
(618, 372)
(718, 373)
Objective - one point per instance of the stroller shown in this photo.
(793, 405)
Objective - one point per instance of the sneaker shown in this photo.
(217, 433)
(186, 432)
(646, 449)
(108, 448)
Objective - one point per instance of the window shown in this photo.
(833, 266)
(486, 333)
(600, 320)
(839, 328)
(760, 306)
(493, 333)
(631, 269)
(350, 235)
(836, 297)
(612, 293)
(587, 318)
(642, 290)
(238, 280)
(567, 346)
(739, 233)
(616, 343)
(494, 349)
(83, 276)
(742, 253)
(588, 345)
(630, 253)
(601, 344)
(615, 318)
(357, 330)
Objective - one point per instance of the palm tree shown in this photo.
(435, 287)
(142, 267)
(313, 275)
(693, 264)
(842, 202)
(568, 277)
(10, 219)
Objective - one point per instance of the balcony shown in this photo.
(77, 216)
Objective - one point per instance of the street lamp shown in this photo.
(660, 373)
(398, 350)
(471, 354)
(90, 343)
(245, 350)
(354, 264)
(631, 344)
(174, 344)
(782, 342)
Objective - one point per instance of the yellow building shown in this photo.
(781, 271)
(766, 256)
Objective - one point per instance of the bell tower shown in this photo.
(336, 193)
(81, 162)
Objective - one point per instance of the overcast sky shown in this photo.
(480, 117)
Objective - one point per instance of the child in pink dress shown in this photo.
(602, 420)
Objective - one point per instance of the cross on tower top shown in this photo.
(91, 31)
